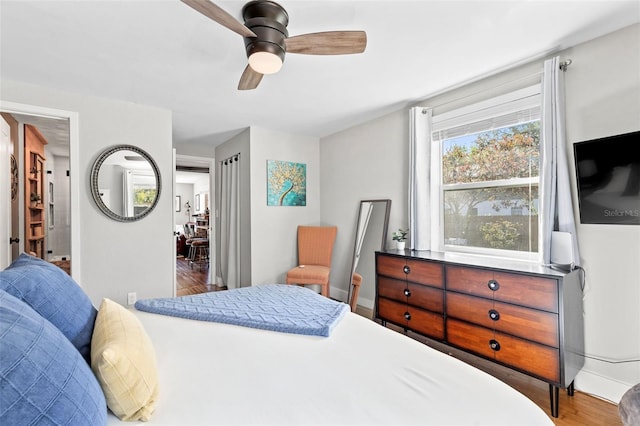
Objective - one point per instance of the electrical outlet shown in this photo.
(131, 298)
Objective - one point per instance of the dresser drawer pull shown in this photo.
(493, 285)
(494, 344)
(407, 316)
(407, 292)
(494, 315)
(406, 269)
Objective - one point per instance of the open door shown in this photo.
(5, 194)
(212, 220)
(173, 219)
(46, 119)
(195, 260)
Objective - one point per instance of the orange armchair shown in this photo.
(315, 247)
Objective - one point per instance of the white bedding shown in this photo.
(363, 374)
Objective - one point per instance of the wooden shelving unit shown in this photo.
(35, 178)
(202, 226)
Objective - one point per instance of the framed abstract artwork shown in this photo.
(286, 183)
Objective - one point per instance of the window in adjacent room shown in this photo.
(485, 176)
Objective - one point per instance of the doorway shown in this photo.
(44, 226)
(195, 257)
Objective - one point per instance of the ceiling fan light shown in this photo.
(265, 62)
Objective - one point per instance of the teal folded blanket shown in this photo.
(277, 307)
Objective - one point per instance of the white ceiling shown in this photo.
(165, 54)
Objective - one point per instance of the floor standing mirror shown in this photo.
(370, 236)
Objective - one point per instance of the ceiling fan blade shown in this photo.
(222, 17)
(249, 79)
(328, 43)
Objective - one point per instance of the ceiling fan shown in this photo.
(266, 38)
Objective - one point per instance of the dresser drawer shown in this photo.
(426, 297)
(392, 289)
(524, 290)
(392, 311)
(427, 273)
(538, 360)
(417, 271)
(391, 266)
(530, 324)
(426, 323)
(419, 320)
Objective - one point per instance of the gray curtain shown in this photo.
(419, 178)
(228, 262)
(556, 203)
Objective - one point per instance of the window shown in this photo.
(140, 191)
(485, 166)
(143, 196)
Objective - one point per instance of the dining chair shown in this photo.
(315, 247)
(356, 280)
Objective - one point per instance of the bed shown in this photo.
(216, 373)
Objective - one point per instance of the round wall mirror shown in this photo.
(125, 183)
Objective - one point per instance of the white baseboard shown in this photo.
(599, 386)
(367, 303)
(342, 295)
(338, 294)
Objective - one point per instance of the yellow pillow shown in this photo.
(124, 361)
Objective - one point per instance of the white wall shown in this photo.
(60, 235)
(50, 177)
(268, 233)
(116, 258)
(365, 162)
(185, 191)
(602, 98)
(274, 228)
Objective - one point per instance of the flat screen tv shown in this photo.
(608, 178)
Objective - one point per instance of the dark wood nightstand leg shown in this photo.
(570, 389)
(553, 398)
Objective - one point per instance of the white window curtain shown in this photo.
(556, 203)
(419, 178)
(228, 263)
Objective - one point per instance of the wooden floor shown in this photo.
(578, 410)
(192, 279)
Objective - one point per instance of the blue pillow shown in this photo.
(43, 378)
(53, 294)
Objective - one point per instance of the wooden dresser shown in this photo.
(517, 314)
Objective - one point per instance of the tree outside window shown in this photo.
(490, 188)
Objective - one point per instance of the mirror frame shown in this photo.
(387, 202)
(95, 191)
